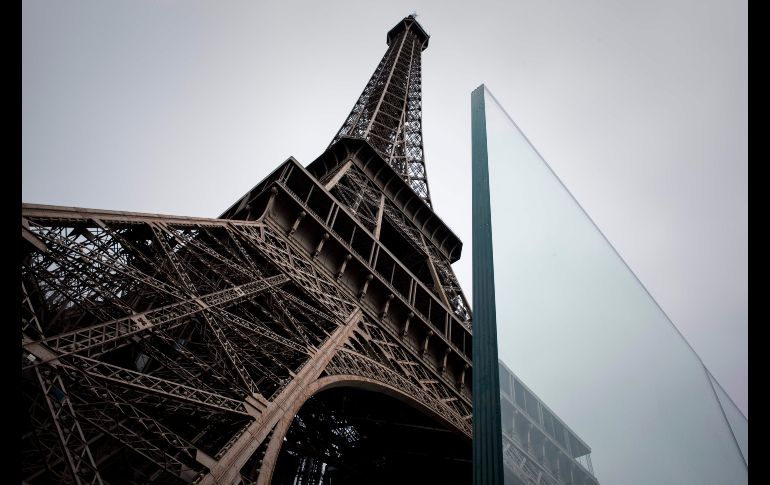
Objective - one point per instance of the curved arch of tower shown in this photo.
(167, 349)
(330, 433)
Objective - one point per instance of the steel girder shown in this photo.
(167, 349)
(167, 339)
(129, 323)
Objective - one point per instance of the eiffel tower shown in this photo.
(313, 333)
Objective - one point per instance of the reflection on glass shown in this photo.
(613, 392)
(536, 442)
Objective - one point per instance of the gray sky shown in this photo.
(180, 107)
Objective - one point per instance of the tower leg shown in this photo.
(227, 468)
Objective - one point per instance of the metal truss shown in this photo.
(363, 198)
(135, 328)
(74, 446)
(167, 338)
(375, 354)
(388, 114)
(167, 349)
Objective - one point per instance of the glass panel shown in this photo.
(605, 387)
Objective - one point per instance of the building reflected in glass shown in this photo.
(538, 447)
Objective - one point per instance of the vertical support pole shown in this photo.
(270, 202)
(406, 324)
(294, 226)
(380, 210)
(344, 264)
(387, 305)
(426, 342)
(487, 435)
(461, 382)
(530, 441)
(442, 369)
(362, 293)
(320, 245)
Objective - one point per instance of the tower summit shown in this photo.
(388, 114)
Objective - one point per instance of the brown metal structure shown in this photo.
(163, 349)
(388, 114)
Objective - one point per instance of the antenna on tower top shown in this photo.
(414, 14)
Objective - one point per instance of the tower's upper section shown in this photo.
(409, 23)
(388, 114)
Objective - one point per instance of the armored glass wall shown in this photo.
(595, 382)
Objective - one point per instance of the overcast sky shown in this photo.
(180, 107)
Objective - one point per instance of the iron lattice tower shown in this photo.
(166, 349)
(388, 114)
